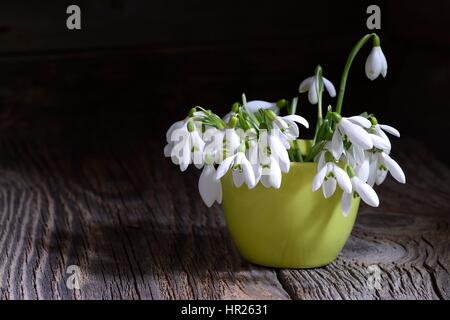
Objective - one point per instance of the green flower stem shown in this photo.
(319, 90)
(348, 64)
(297, 151)
(292, 109)
(291, 152)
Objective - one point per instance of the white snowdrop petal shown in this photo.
(329, 187)
(346, 202)
(207, 185)
(238, 178)
(232, 139)
(305, 84)
(224, 167)
(185, 158)
(275, 174)
(383, 61)
(363, 170)
(249, 175)
(172, 128)
(359, 154)
(373, 64)
(298, 119)
(321, 161)
(184, 165)
(366, 192)
(356, 134)
(373, 167)
(337, 146)
(380, 177)
(312, 94)
(279, 153)
(379, 142)
(359, 120)
(395, 170)
(390, 130)
(168, 150)
(342, 179)
(318, 178)
(265, 180)
(257, 169)
(255, 105)
(329, 86)
(219, 192)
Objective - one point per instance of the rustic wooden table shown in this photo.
(137, 229)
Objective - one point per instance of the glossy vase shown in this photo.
(290, 227)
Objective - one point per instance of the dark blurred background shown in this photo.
(137, 66)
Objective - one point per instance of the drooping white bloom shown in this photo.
(278, 152)
(241, 167)
(271, 174)
(169, 146)
(187, 146)
(366, 192)
(231, 142)
(209, 187)
(253, 106)
(268, 157)
(353, 128)
(179, 125)
(213, 144)
(311, 85)
(288, 128)
(376, 64)
(327, 176)
(388, 129)
(379, 130)
(380, 164)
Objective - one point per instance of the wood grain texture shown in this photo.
(136, 226)
(404, 245)
(125, 223)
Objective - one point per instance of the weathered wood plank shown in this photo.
(133, 224)
(107, 201)
(400, 250)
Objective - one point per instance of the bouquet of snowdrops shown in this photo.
(257, 144)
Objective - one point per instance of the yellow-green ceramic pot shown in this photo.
(290, 227)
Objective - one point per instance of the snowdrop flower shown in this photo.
(213, 144)
(252, 106)
(330, 174)
(277, 151)
(269, 158)
(271, 174)
(255, 105)
(241, 167)
(187, 146)
(376, 63)
(353, 128)
(311, 85)
(287, 125)
(380, 129)
(209, 187)
(380, 164)
(169, 146)
(178, 125)
(362, 189)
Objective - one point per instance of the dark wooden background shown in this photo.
(153, 60)
(82, 122)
